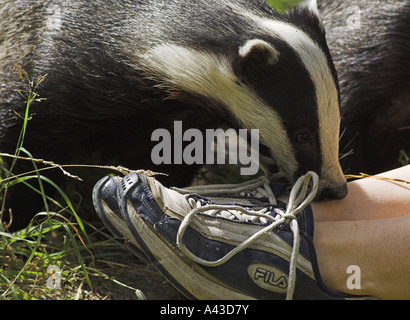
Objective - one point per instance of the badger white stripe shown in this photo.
(212, 76)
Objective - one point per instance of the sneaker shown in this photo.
(106, 205)
(216, 243)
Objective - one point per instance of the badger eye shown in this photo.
(303, 137)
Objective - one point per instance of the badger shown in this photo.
(119, 69)
(370, 46)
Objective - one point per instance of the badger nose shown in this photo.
(333, 193)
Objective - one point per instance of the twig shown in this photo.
(364, 175)
(52, 165)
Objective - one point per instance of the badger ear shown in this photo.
(309, 12)
(311, 7)
(256, 59)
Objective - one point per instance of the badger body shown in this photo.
(117, 70)
(370, 45)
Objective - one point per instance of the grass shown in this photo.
(59, 255)
(99, 269)
(27, 254)
(282, 5)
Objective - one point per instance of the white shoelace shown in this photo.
(299, 198)
(258, 188)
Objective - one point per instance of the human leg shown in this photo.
(370, 199)
(379, 248)
(369, 229)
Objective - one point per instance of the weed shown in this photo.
(53, 240)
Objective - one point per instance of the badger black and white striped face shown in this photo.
(278, 78)
(299, 81)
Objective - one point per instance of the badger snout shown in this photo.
(332, 192)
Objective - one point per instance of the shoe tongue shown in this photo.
(304, 219)
(279, 186)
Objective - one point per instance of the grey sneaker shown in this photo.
(106, 205)
(241, 244)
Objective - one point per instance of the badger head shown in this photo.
(298, 105)
(278, 78)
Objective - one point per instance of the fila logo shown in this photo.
(268, 277)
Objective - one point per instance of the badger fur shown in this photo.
(119, 69)
(370, 45)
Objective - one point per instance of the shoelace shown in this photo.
(258, 188)
(299, 198)
(231, 214)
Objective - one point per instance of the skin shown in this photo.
(369, 229)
